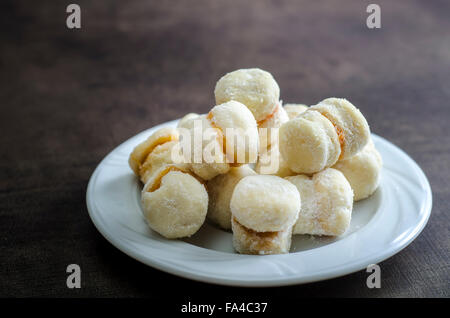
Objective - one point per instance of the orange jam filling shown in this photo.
(262, 121)
(264, 239)
(143, 168)
(340, 133)
(268, 235)
(157, 183)
(160, 141)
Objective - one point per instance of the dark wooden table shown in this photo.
(68, 97)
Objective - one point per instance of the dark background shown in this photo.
(68, 97)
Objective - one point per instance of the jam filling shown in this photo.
(262, 121)
(340, 133)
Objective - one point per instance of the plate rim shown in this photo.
(285, 281)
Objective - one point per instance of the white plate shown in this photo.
(381, 226)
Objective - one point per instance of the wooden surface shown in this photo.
(68, 97)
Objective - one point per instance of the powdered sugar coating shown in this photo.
(235, 121)
(141, 151)
(309, 143)
(294, 110)
(220, 190)
(160, 156)
(218, 161)
(349, 120)
(271, 126)
(183, 123)
(363, 171)
(255, 88)
(271, 162)
(327, 203)
(177, 207)
(265, 203)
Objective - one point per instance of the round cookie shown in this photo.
(362, 171)
(309, 143)
(327, 203)
(220, 190)
(254, 88)
(293, 110)
(265, 203)
(141, 151)
(350, 124)
(174, 202)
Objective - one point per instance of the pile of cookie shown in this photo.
(324, 161)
